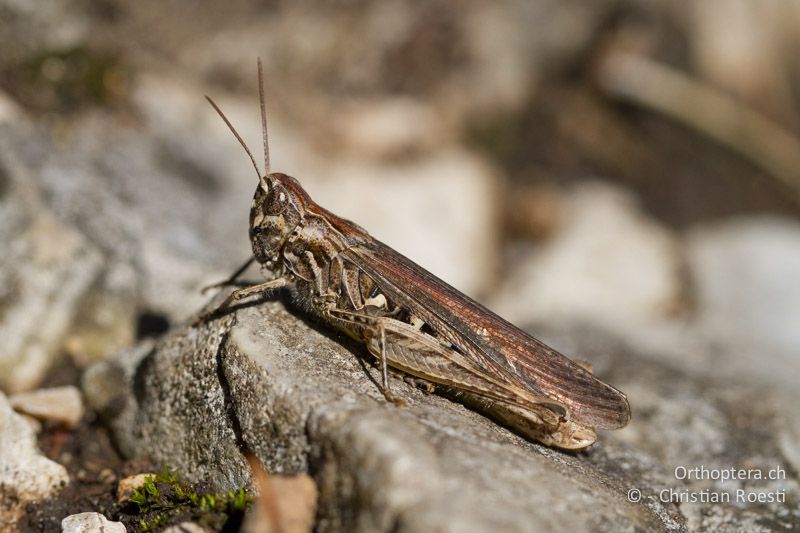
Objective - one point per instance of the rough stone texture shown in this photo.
(25, 475)
(90, 523)
(62, 405)
(263, 381)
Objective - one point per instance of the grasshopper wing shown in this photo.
(494, 346)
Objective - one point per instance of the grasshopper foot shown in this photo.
(391, 398)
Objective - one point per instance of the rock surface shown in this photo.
(262, 381)
(25, 475)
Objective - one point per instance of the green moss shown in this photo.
(165, 498)
(154, 523)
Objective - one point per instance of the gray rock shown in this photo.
(90, 523)
(88, 241)
(608, 264)
(45, 269)
(745, 271)
(25, 475)
(263, 381)
(694, 424)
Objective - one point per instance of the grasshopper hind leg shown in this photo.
(385, 389)
(375, 324)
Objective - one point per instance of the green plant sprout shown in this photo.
(165, 496)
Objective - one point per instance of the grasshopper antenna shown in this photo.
(264, 131)
(236, 134)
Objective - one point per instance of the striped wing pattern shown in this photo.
(496, 346)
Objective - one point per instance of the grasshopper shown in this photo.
(412, 321)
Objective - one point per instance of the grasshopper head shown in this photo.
(279, 205)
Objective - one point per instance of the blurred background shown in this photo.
(626, 167)
(611, 162)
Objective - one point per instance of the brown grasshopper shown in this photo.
(414, 322)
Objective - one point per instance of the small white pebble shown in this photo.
(90, 523)
(187, 527)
